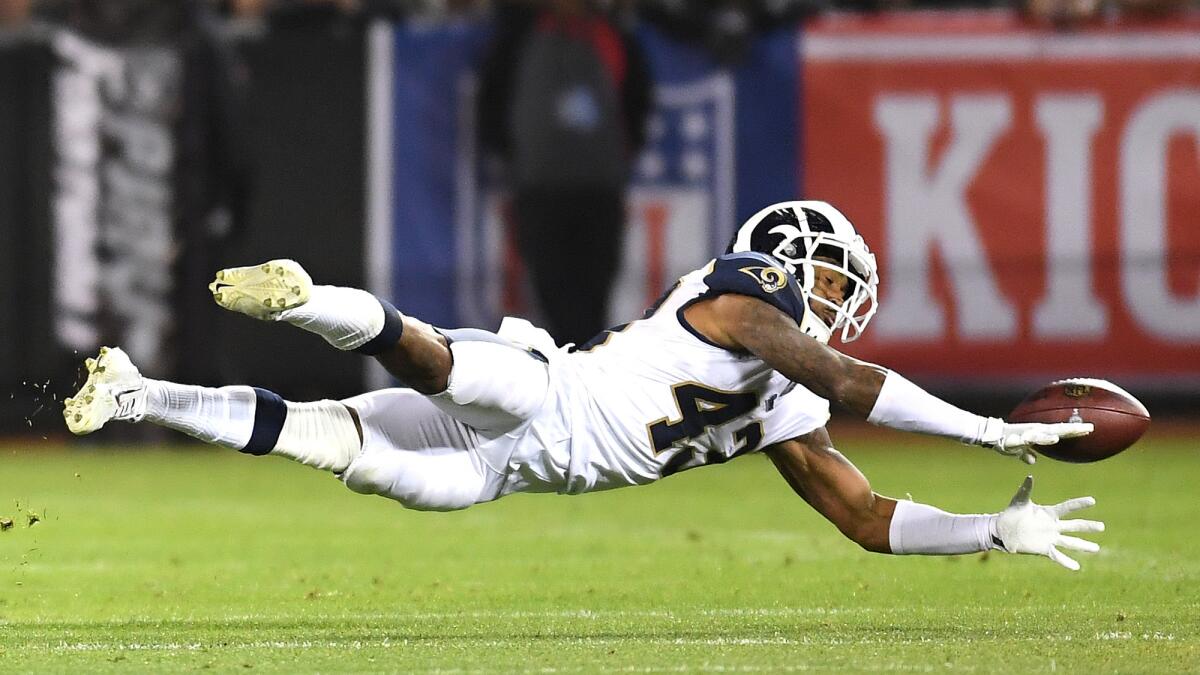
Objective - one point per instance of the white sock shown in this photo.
(223, 416)
(320, 434)
(347, 318)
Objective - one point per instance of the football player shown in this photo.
(733, 359)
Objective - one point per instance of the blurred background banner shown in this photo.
(114, 150)
(1031, 187)
(1031, 196)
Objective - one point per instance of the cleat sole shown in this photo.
(262, 291)
(96, 401)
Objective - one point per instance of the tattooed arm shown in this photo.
(741, 323)
(744, 324)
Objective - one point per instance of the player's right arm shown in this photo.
(840, 492)
(743, 323)
(833, 486)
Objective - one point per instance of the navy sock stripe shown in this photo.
(393, 328)
(269, 413)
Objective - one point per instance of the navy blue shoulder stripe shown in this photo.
(758, 276)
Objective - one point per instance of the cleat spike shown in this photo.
(90, 364)
(217, 296)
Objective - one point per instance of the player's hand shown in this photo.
(1020, 440)
(1025, 527)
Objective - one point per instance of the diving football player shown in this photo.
(733, 359)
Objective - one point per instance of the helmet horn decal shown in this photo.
(804, 236)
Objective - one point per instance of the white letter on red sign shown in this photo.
(928, 208)
(1070, 308)
(1144, 218)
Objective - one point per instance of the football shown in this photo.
(1120, 419)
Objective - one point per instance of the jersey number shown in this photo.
(699, 409)
(747, 438)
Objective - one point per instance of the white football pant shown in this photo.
(425, 452)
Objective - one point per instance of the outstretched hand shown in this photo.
(1025, 527)
(1020, 440)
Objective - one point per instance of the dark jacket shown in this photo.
(563, 99)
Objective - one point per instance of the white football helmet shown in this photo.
(804, 235)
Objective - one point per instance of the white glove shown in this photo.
(1025, 527)
(1018, 440)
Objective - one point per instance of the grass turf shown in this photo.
(188, 558)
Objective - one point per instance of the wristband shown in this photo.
(920, 529)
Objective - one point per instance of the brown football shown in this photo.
(1120, 419)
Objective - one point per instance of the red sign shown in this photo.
(1033, 197)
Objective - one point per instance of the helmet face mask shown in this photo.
(804, 236)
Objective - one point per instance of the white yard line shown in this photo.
(400, 616)
(519, 641)
(387, 643)
(524, 641)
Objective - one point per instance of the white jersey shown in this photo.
(654, 397)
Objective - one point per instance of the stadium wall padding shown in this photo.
(304, 199)
(28, 368)
(1077, 189)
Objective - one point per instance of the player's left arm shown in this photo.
(841, 493)
(877, 394)
(833, 486)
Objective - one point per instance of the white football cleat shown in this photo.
(114, 390)
(262, 291)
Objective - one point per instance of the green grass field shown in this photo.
(187, 558)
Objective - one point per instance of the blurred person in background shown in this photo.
(1069, 14)
(726, 28)
(564, 95)
(311, 15)
(14, 12)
